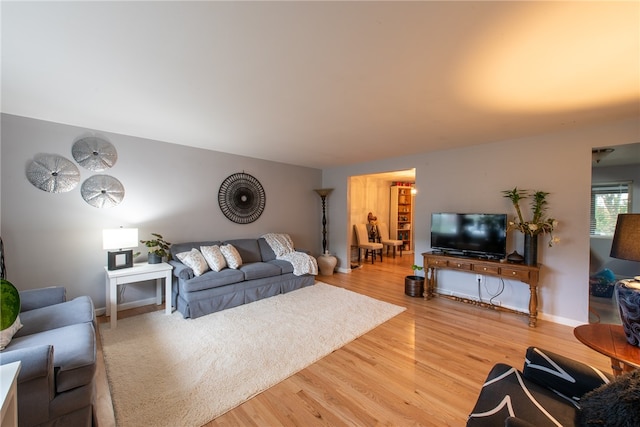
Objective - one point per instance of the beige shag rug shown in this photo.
(169, 371)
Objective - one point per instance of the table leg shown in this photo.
(616, 366)
(113, 303)
(158, 291)
(107, 287)
(167, 293)
(533, 306)
(431, 282)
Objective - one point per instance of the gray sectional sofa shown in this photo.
(57, 348)
(260, 276)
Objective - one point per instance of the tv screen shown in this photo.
(478, 234)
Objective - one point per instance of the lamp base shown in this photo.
(628, 296)
(119, 259)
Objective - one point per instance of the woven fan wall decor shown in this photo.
(241, 198)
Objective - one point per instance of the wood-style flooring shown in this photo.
(423, 367)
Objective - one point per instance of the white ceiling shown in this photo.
(322, 84)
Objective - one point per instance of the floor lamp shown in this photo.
(326, 262)
(626, 245)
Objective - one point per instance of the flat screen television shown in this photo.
(472, 234)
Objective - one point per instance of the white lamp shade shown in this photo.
(119, 238)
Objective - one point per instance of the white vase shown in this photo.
(326, 264)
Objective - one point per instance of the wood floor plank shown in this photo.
(423, 367)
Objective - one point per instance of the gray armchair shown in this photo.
(57, 349)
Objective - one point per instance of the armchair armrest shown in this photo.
(43, 297)
(36, 384)
(37, 361)
(562, 374)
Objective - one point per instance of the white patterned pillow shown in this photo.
(194, 260)
(231, 255)
(214, 257)
(7, 334)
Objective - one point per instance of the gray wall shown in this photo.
(471, 179)
(56, 238)
(170, 189)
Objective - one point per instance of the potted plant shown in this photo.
(414, 285)
(158, 248)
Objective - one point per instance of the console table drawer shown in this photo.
(460, 265)
(486, 269)
(437, 263)
(521, 275)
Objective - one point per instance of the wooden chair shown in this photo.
(383, 232)
(363, 243)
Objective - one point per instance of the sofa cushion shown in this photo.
(258, 270)
(265, 250)
(247, 248)
(194, 260)
(285, 266)
(74, 354)
(212, 279)
(214, 257)
(231, 255)
(78, 310)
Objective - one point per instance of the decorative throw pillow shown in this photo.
(7, 334)
(214, 257)
(614, 404)
(231, 255)
(194, 260)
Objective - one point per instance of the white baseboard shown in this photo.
(127, 305)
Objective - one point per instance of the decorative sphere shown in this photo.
(9, 304)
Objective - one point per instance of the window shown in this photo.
(607, 201)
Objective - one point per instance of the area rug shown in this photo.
(164, 370)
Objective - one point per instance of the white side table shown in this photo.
(137, 273)
(9, 394)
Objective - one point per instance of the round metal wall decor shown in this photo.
(94, 153)
(53, 173)
(241, 198)
(102, 191)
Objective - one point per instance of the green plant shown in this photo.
(415, 269)
(157, 246)
(538, 224)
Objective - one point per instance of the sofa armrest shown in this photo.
(181, 271)
(43, 297)
(562, 374)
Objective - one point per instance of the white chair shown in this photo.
(383, 232)
(363, 243)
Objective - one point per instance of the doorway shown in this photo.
(371, 193)
(617, 169)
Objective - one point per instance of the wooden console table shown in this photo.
(520, 272)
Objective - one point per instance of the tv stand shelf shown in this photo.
(520, 272)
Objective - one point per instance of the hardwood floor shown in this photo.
(423, 367)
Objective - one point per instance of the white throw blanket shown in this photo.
(282, 246)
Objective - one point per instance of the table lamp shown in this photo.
(626, 245)
(119, 238)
